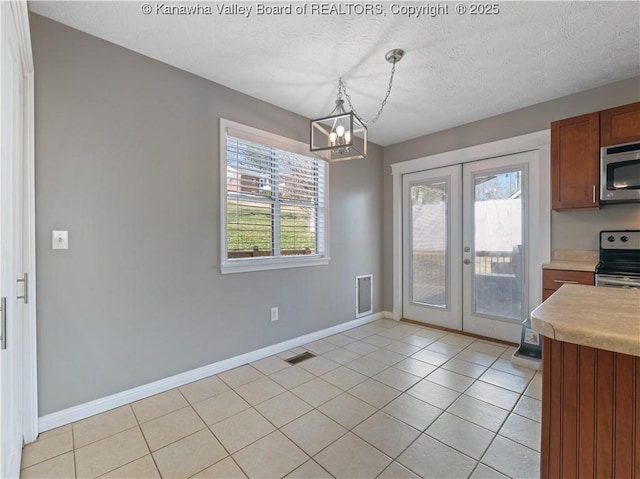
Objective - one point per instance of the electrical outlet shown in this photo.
(274, 313)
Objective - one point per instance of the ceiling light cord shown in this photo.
(342, 90)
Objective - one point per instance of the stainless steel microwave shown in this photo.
(620, 173)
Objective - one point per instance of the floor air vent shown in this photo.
(300, 357)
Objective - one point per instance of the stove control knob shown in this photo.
(611, 239)
(624, 239)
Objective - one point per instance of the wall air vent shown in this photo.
(364, 295)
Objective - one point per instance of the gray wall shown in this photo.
(579, 229)
(569, 229)
(127, 161)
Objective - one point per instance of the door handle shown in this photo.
(3, 323)
(466, 261)
(466, 249)
(25, 294)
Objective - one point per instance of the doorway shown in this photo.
(465, 234)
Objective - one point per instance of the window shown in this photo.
(273, 201)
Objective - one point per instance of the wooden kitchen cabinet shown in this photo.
(575, 162)
(590, 425)
(620, 125)
(575, 153)
(552, 279)
(590, 412)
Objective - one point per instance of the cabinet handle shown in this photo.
(25, 294)
(564, 281)
(3, 323)
(593, 194)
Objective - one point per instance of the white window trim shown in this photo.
(243, 265)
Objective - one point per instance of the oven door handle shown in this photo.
(617, 282)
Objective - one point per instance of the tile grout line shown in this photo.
(322, 413)
(351, 430)
(494, 434)
(73, 451)
(402, 392)
(153, 459)
(229, 454)
(47, 459)
(424, 431)
(121, 465)
(460, 393)
(208, 428)
(510, 411)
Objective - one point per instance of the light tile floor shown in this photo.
(386, 399)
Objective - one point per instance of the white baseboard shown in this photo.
(81, 411)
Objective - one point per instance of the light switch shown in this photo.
(60, 240)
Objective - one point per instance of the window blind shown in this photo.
(275, 201)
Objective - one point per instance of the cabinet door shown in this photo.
(620, 125)
(575, 176)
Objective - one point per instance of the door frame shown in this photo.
(17, 11)
(540, 202)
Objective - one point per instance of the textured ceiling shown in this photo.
(457, 68)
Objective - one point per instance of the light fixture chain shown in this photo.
(342, 89)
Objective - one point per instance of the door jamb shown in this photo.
(18, 12)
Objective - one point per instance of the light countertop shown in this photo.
(573, 260)
(589, 266)
(599, 317)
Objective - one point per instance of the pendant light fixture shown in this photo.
(342, 135)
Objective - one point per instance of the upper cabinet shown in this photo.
(575, 170)
(575, 153)
(620, 125)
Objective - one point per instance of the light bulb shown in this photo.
(347, 137)
(340, 130)
(332, 138)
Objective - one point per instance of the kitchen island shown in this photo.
(591, 382)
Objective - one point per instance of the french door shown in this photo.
(432, 208)
(465, 246)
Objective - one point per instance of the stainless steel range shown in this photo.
(619, 265)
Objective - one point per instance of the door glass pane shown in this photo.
(429, 268)
(498, 268)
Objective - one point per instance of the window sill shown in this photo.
(249, 265)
